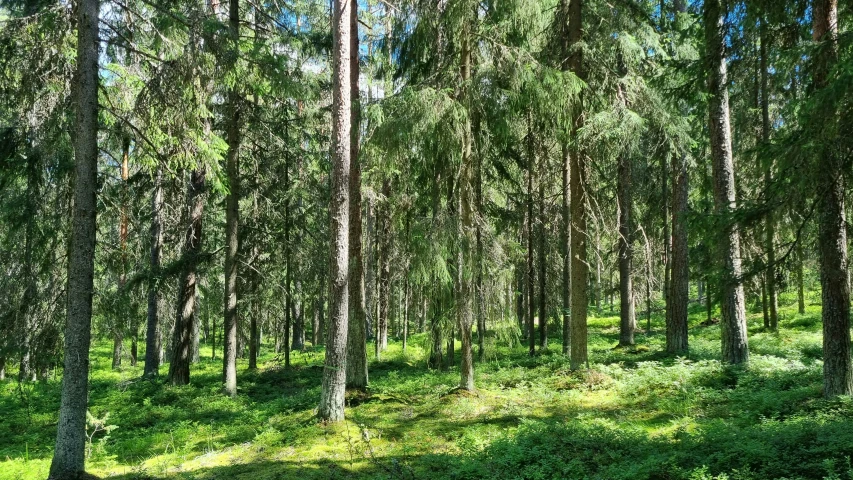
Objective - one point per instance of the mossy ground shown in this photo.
(636, 413)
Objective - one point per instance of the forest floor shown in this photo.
(635, 414)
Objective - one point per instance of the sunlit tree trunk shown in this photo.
(577, 187)
(832, 230)
(334, 373)
(68, 455)
(733, 323)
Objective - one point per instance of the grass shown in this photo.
(635, 414)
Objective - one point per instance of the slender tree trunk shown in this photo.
(232, 214)
(770, 227)
(152, 334)
(626, 254)
(565, 234)
(384, 268)
(334, 374)
(733, 323)
(357, 376)
(531, 289)
(801, 296)
(541, 257)
(179, 368)
(465, 225)
(68, 455)
(298, 339)
(832, 234)
(577, 188)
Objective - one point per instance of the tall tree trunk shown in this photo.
(626, 254)
(679, 288)
(801, 297)
(288, 274)
(541, 256)
(334, 374)
(733, 323)
(577, 188)
(68, 455)
(232, 213)
(565, 234)
(531, 289)
(770, 227)
(298, 339)
(179, 368)
(152, 330)
(357, 376)
(465, 224)
(384, 268)
(832, 234)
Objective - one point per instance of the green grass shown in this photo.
(635, 414)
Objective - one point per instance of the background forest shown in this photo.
(425, 239)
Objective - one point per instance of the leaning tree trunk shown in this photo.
(179, 368)
(579, 214)
(832, 234)
(357, 336)
(68, 455)
(334, 374)
(733, 324)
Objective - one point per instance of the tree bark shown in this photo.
(334, 373)
(679, 288)
(531, 288)
(542, 257)
(733, 323)
(465, 225)
(626, 254)
(384, 268)
(832, 234)
(577, 188)
(357, 376)
(179, 368)
(801, 296)
(68, 456)
(232, 213)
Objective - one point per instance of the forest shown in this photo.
(425, 239)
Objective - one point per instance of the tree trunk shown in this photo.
(334, 374)
(542, 257)
(626, 254)
(770, 227)
(832, 234)
(531, 289)
(179, 368)
(733, 323)
(801, 296)
(357, 376)
(68, 455)
(298, 339)
(465, 225)
(577, 186)
(679, 288)
(152, 330)
(232, 214)
(384, 268)
(565, 234)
